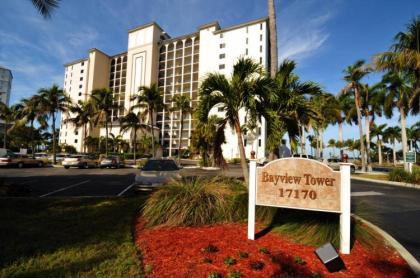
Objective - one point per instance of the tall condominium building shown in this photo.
(177, 66)
(6, 78)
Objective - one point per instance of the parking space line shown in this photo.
(126, 189)
(65, 188)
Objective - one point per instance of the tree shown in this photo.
(45, 7)
(378, 131)
(10, 116)
(353, 74)
(151, 99)
(32, 110)
(132, 122)
(404, 56)
(83, 112)
(103, 101)
(181, 103)
(413, 134)
(332, 144)
(392, 135)
(273, 37)
(242, 92)
(398, 95)
(53, 100)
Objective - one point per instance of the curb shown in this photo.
(394, 183)
(411, 261)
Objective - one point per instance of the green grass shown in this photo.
(68, 238)
(381, 177)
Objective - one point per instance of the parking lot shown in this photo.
(74, 182)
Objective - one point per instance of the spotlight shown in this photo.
(330, 258)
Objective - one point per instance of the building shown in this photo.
(6, 78)
(177, 65)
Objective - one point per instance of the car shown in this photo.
(80, 161)
(112, 161)
(308, 156)
(41, 155)
(9, 158)
(334, 163)
(58, 157)
(157, 172)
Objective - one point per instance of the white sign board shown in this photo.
(301, 183)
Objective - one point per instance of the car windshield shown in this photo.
(160, 165)
(75, 156)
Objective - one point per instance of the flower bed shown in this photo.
(224, 251)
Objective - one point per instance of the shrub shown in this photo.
(148, 268)
(207, 260)
(243, 255)
(401, 175)
(234, 274)
(235, 160)
(299, 260)
(316, 275)
(229, 261)
(214, 274)
(256, 265)
(140, 163)
(264, 250)
(210, 249)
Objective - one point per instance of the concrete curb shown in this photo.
(411, 261)
(394, 183)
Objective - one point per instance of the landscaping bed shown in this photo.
(223, 250)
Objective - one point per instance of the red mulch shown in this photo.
(177, 252)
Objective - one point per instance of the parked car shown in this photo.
(112, 161)
(157, 172)
(41, 155)
(308, 156)
(9, 158)
(80, 161)
(334, 163)
(59, 157)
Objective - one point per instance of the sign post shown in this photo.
(410, 158)
(301, 183)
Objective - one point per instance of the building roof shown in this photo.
(145, 26)
(255, 21)
(1, 67)
(75, 62)
(208, 25)
(180, 37)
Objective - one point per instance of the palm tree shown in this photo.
(332, 144)
(10, 116)
(84, 112)
(273, 37)
(413, 134)
(151, 99)
(132, 122)
(392, 135)
(32, 110)
(404, 56)
(378, 131)
(45, 7)
(103, 101)
(181, 103)
(53, 100)
(398, 95)
(91, 142)
(353, 75)
(242, 92)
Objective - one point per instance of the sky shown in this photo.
(322, 36)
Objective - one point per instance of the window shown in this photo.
(76, 132)
(245, 142)
(261, 38)
(260, 60)
(222, 56)
(259, 142)
(260, 48)
(81, 71)
(220, 109)
(246, 41)
(75, 140)
(222, 45)
(246, 29)
(222, 66)
(83, 63)
(259, 131)
(81, 78)
(246, 51)
(80, 86)
(80, 94)
(221, 36)
(261, 26)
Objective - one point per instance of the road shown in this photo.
(394, 209)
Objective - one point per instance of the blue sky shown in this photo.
(323, 36)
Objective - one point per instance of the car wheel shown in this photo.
(20, 165)
(86, 166)
(66, 167)
(40, 164)
(352, 169)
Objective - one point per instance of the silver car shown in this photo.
(111, 162)
(80, 161)
(157, 172)
(334, 163)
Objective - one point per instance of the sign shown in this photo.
(410, 157)
(301, 183)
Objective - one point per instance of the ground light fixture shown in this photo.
(330, 258)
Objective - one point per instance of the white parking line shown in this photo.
(65, 188)
(126, 189)
(366, 193)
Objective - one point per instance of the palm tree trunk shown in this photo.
(134, 145)
(153, 133)
(84, 138)
(394, 153)
(379, 142)
(404, 136)
(273, 37)
(321, 140)
(53, 137)
(32, 138)
(5, 135)
(106, 135)
(340, 132)
(181, 126)
(368, 160)
(359, 123)
(242, 151)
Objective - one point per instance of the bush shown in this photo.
(229, 261)
(235, 160)
(214, 274)
(234, 274)
(401, 175)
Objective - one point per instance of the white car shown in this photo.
(334, 163)
(157, 172)
(80, 161)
